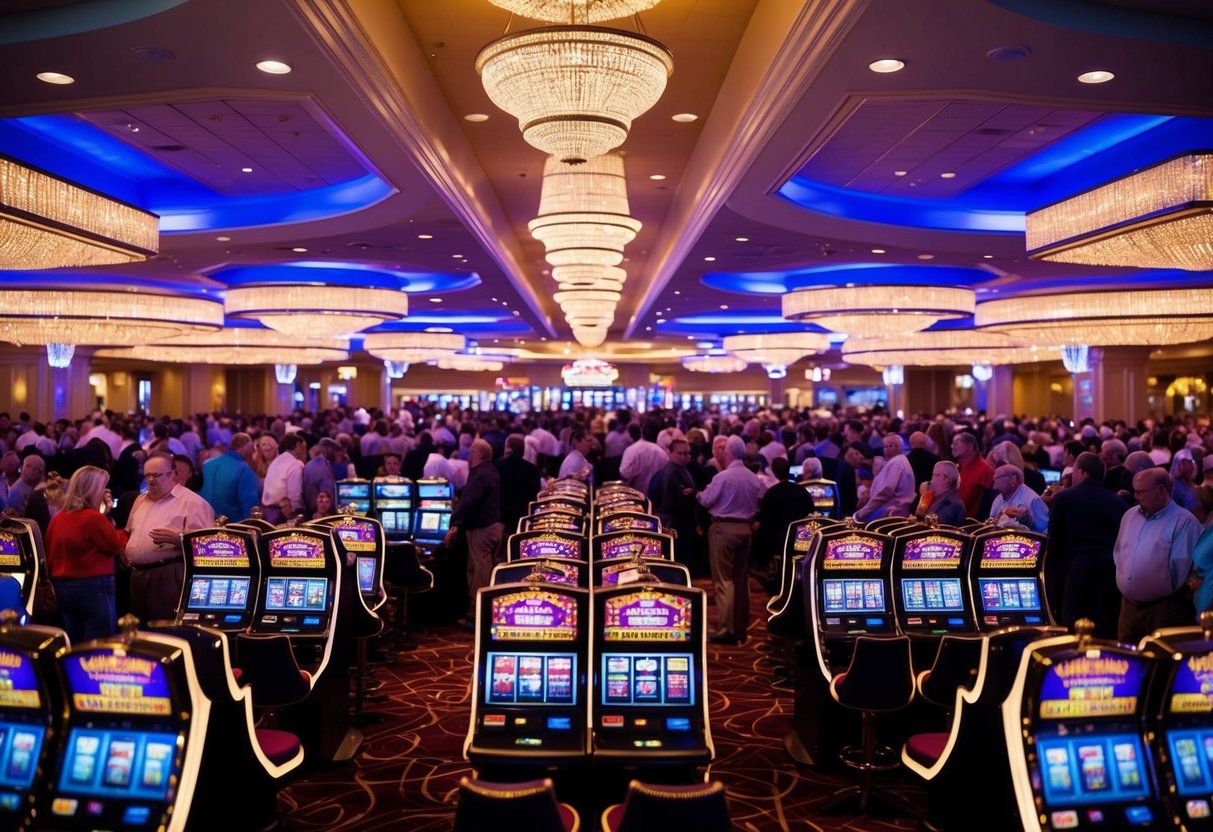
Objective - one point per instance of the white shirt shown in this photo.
(640, 462)
(283, 479)
(181, 509)
(548, 444)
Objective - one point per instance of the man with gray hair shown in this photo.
(1153, 555)
(478, 515)
(732, 500)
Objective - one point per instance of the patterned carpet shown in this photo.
(408, 769)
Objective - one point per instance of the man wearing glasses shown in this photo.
(1153, 555)
(158, 520)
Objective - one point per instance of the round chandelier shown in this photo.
(574, 89)
(944, 348)
(84, 316)
(587, 276)
(779, 348)
(871, 311)
(412, 347)
(316, 310)
(574, 11)
(237, 345)
(713, 363)
(583, 207)
(1116, 318)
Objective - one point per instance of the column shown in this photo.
(1115, 385)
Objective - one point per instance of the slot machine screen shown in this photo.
(1051, 476)
(1192, 683)
(1009, 595)
(853, 595)
(435, 493)
(118, 763)
(296, 551)
(629, 546)
(222, 551)
(824, 496)
(1096, 768)
(366, 575)
(622, 522)
(932, 552)
(804, 534)
(20, 746)
(647, 679)
(289, 594)
(1010, 551)
(932, 594)
(1092, 686)
(10, 550)
(431, 524)
(217, 592)
(549, 545)
(646, 615)
(358, 493)
(393, 495)
(550, 572)
(533, 615)
(396, 522)
(531, 679)
(1192, 760)
(18, 682)
(795, 472)
(357, 536)
(853, 551)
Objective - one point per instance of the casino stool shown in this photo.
(268, 664)
(366, 625)
(879, 678)
(955, 666)
(404, 573)
(700, 807)
(531, 805)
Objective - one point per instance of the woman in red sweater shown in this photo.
(81, 544)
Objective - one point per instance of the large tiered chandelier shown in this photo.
(83, 316)
(588, 276)
(237, 345)
(1160, 217)
(1111, 318)
(316, 310)
(574, 11)
(413, 347)
(711, 363)
(871, 311)
(944, 348)
(583, 212)
(775, 348)
(574, 89)
(47, 222)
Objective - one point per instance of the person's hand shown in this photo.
(165, 537)
(107, 500)
(449, 537)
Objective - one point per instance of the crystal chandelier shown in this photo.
(574, 89)
(713, 363)
(1076, 358)
(588, 276)
(60, 356)
(286, 373)
(1157, 218)
(584, 208)
(893, 375)
(983, 372)
(944, 348)
(316, 310)
(412, 347)
(82, 316)
(870, 311)
(1099, 319)
(574, 11)
(476, 360)
(238, 345)
(396, 369)
(47, 222)
(775, 348)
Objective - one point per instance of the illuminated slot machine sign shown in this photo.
(361, 538)
(10, 553)
(357, 494)
(630, 546)
(627, 520)
(852, 585)
(122, 753)
(436, 494)
(23, 729)
(18, 561)
(394, 508)
(548, 546)
(530, 675)
(1186, 738)
(545, 570)
(1006, 581)
(1089, 766)
(929, 573)
(219, 581)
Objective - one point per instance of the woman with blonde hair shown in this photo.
(81, 545)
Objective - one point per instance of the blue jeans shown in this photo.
(88, 607)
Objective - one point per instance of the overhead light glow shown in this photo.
(684, 118)
(887, 65)
(56, 78)
(476, 118)
(1096, 76)
(274, 67)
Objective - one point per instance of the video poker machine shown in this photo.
(393, 505)
(529, 680)
(1074, 726)
(222, 577)
(435, 492)
(300, 575)
(356, 493)
(851, 594)
(132, 739)
(31, 710)
(825, 497)
(1006, 578)
(649, 695)
(931, 591)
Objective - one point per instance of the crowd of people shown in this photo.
(1128, 508)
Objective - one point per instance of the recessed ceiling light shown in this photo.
(476, 118)
(1096, 76)
(742, 239)
(900, 172)
(709, 259)
(947, 175)
(987, 257)
(438, 329)
(657, 177)
(878, 251)
(56, 78)
(223, 239)
(677, 292)
(457, 256)
(299, 249)
(648, 329)
(274, 67)
(684, 118)
(887, 65)
(724, 306)
(435, 300)
(926, 257)
(425, 236)
(246, 170)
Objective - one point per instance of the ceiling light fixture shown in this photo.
(274, 67)
(869, 311)
(1096, 76)
(47, 222)
(237, 345)
(684, 118)
(1157, 218)
(60, 356)
(574, 89)
(575, 11)
(316, 310)
(55, 78)
(83, 316)
(476, 118)
(584, 217)
(887, 65)
(943, 348)
(413, 347)
(780, 348)
(713, 363)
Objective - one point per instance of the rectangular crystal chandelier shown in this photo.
(1159, 218)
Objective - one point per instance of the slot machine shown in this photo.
(1074, 723)
(545, 544)
(629, 544)
(529, 677)
(299, 594)
(931, 593)
(393, 505)
(795, 547)
(430, 525)
(31, 708)
(650, 676)
(825, 496)
(133, 733)
(850, 594)
(435, 493)
(356, 493)
(1006, 578)
(222, 577)
(362, 543)
(21, 555)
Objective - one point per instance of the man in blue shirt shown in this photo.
(1016, 505)
(229, 483)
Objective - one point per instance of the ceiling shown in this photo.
(801, 162)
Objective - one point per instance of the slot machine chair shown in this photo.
(404, 575)
(787, 622)
(879, 679)
(699, 806)
(955, 668)
(531, 805)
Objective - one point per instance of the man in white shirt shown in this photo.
(643, 459)
(282, 495)
(893, 487)
(575, 463)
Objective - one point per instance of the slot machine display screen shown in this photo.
(629, 546)
(622, 522)
(647, 679)
(219, 551)
(18, 682)
(853, 595)
(303, 594)
(10, 550)
(853, 551)
(20, 747)
(1092, 686)
(1009, 595)
(646, 615)
(218, 592)
(366, 575)
(1010, 551)
(824, 496)
(393, 495)
(296, 552)
(549, 545)
(396, 521)
(533, 615)
(432, 525)
(550, 572)
(531, 679)
(932, 594)
(1093, 768)
(1192, 760)
(804, 534)
(1192, 687)
(434, 493)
